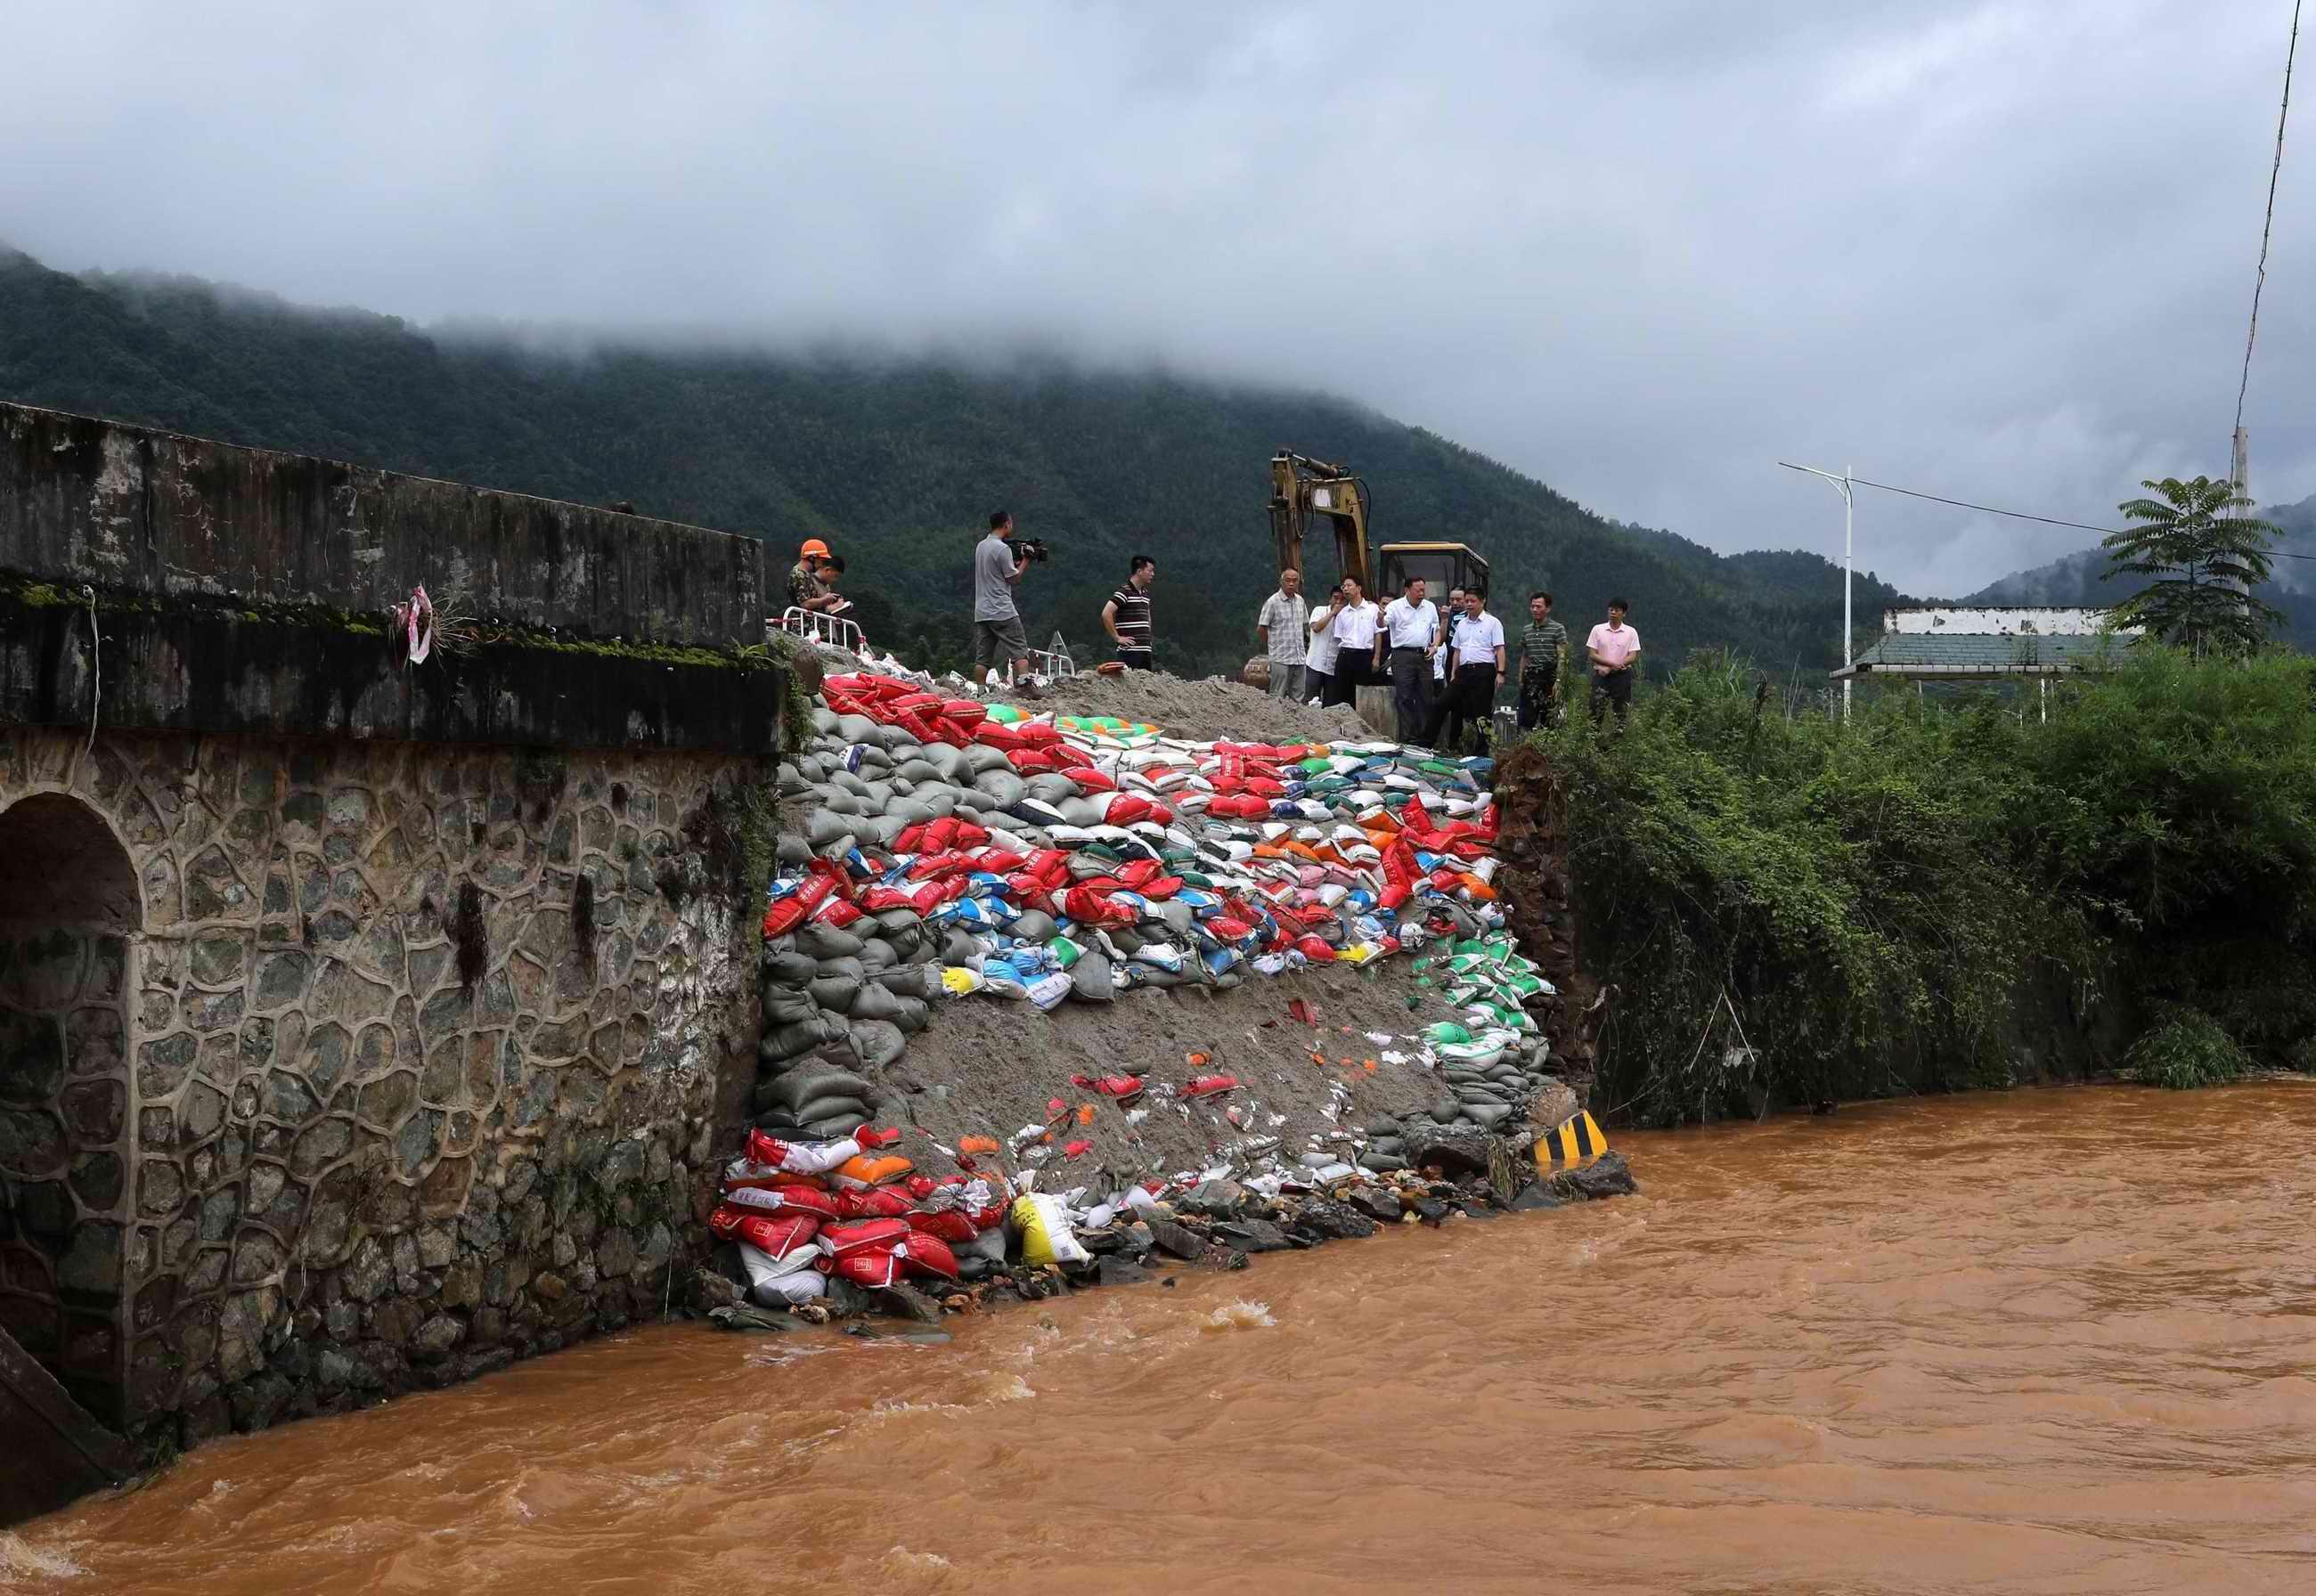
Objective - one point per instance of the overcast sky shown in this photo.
(1639, 248)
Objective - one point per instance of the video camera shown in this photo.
(1030, 550)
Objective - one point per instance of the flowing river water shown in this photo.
(2044, 1342)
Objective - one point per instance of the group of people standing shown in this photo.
(1444, 676)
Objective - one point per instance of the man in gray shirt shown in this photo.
(996, 623)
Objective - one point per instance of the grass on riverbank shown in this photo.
(1800, 910)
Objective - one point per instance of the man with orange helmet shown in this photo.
(805, 592)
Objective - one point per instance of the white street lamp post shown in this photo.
(1842, 485)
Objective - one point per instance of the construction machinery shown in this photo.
(1302, 489)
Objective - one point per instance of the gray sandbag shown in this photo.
(958, 948)
(880, 794)
(1035, 925)
(1150, 975)
(787, 969)
(973, 803)
(1081, 811)
(891, 947)
(777, 1094)
(1177, 917)
(791, 850)
(1012, 824)
(824, 720)
(910, 811)
(1037, 814)
(835, 993)
(800, 1086)
(877, 1041)
(914, 1014)
(917, 769)
(888, 921)
(1051, 786)
(912, 980)
(948, 763)
(816, 941)
(895, 740)
(856, 728)
(791, 1041)
(872, 1002)
(812, 767)
(1004, 787)
(941, 800)
(825, 826)
(847, 964)
(784, 1005)
(982, 759)
(835, 1128)
(792, 781)
(851, 782)
(1123, 940)
(883, 830)
(1089, 979)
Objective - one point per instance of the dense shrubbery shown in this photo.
(1809, 911)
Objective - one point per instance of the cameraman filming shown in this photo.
(997, 566)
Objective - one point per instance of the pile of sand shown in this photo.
(1203, 710)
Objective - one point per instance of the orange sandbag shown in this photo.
(863, 1171)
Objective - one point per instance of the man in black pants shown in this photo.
(1615, 649)
(1475, 664)
(1126, 616)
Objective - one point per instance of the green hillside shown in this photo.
(896, 462)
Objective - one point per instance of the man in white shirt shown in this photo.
(1614, 649)
(1354, 628)
(1410, 626)
(1476, 640)
(1286, 636)
(1319, 658)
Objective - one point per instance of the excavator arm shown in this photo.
(1304, 490)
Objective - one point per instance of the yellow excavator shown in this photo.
(1302, 489)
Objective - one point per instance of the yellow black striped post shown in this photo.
(1576, 1142)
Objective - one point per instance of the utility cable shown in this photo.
(2267, 224)
(2022, 516)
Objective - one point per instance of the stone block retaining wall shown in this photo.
(409, 1060)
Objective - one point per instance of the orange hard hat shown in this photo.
(812, 546)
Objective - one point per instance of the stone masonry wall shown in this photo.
(424, 1050)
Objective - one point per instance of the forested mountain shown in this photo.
(2079, 579)
(896, 462)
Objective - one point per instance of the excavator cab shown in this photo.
(1305, 491)
(1442, 566)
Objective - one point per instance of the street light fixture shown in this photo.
(1842, 485)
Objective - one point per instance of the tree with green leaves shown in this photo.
(2206, 555)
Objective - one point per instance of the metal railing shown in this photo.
(833, 631)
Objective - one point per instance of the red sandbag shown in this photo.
(1315, 948)
(940, 835)
(1139, 873)
(779, 1235)
(965, 712)
(878, 1202)
(1090, 779)
(917, 698)
(1089, 907)
(918, 725)
(992, 734)
(850, 682)
(837, 912)
(869, 1233)
(970, 833)
(1030, 761)
(952, 1225)
(925, 1254)
(1228, 928)
(1125, 808)
(1071, 757)
(1160, 888)
(781, 1199)
(1039, 733)
(892, 687)
(876, 1266)
(783, 916)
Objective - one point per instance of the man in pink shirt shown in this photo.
(1614, 648)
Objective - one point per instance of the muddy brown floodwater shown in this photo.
(2040, 1341)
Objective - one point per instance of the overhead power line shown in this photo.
(2021, 514)
(2267, 224)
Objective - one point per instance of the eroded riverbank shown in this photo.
(2038, 1341)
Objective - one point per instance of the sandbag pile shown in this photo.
(802, 1212)
(951, 846)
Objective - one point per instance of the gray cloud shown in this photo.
(2002, 251)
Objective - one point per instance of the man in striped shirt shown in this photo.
(1126, 616)
(1542, 644)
